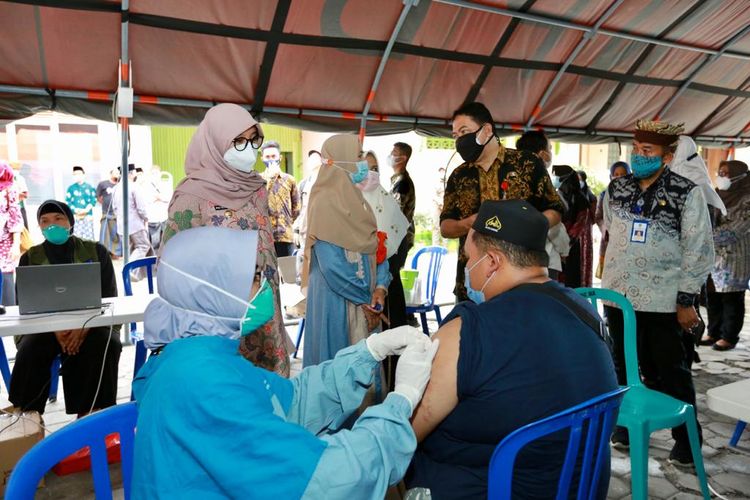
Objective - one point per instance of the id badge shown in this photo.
(640, 231)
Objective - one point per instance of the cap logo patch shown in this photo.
(493, 224)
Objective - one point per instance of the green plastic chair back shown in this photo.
(645, 410)
(628, 321)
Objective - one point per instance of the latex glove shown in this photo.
(394, 341)
(413, 371)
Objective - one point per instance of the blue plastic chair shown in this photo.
(645, 410)
(436, 254)
(300, 331)
(596, 417)
(4, 366)
(136, 336)
(89, 431)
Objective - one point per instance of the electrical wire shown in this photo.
(104, 359)
(45, 387)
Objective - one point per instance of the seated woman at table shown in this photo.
(82, 351)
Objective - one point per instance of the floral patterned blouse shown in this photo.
(269, 346)
(11, 222)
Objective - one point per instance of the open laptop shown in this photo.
(58, 287)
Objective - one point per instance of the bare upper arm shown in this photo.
(441, 395)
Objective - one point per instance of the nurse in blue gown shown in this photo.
(212, 425)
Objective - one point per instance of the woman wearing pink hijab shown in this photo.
(222, 188)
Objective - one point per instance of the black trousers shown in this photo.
(726, 314)
(283, 249)
(395, 302)
(30, 381)
(665, 354)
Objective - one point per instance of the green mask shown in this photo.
(259, 311)
(57, 235)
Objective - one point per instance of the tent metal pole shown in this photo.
(587, 36)
(705, 64)
(408, 4)
(125, 80)
(560, 23)
(342, 115)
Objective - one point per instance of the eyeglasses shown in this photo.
(240, 143)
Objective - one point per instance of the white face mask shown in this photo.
(723, 183)
(244, 160)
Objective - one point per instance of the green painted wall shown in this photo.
(169, 146)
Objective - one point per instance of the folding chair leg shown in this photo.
(695, 447)
(735, 437)
(438, 316)
(300, 330)
(639, 438)
(4, 366)
(140, 360)
(423, 317)
(54, 379)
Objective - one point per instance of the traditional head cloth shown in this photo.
(193, 265)
(688, 163)
(514, 221)
(659, 133)
(617, 165)
(55, 207)
(208, 175)
(739, 191)
(337, 212)
(6, 175)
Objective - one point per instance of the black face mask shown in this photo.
(467, 146)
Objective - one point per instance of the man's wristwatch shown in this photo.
(685, 299)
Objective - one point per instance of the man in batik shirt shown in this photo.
(489, 172)
(283, 200)
(659, 254)
(81, 198)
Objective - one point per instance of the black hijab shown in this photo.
(58, 254)
(570, 190)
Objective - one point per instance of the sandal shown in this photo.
(707, 340)
(722, 345)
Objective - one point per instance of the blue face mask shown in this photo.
(57, 235)
(644, 166)
(556, 181)
(476, 296)
(363, 168)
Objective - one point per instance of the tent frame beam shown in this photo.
(407, 5)
(721, 107)
(702, 66)
(562, 23)
(414, 121)
(471, 96)
(585, 39)
(639, 62)
(269, 56)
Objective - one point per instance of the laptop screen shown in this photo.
(58, 287)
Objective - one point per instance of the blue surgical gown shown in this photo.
(212, 425)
